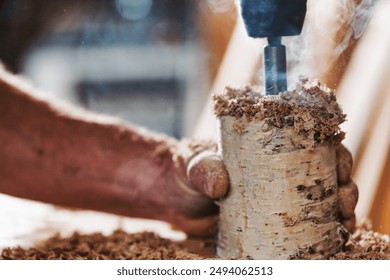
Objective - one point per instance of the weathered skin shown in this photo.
(207, 173)
(69, 157)
(344, 166)
(348, 190)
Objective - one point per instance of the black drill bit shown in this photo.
(275, 66)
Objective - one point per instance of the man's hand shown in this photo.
(200, 178)
(348, 191)
(206, 172)
(207, 176)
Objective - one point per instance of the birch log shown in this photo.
(283, 198)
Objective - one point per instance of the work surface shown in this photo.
(25, 223)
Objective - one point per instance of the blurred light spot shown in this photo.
(133, 9)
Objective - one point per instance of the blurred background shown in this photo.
(155, 63)
(149, 62)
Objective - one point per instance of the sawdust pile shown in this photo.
(117, 246)
(364, 244)
(311, 109)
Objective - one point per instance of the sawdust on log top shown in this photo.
(311, 109)
(364, 244)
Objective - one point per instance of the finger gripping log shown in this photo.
(280, 153)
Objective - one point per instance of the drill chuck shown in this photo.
(274, 19)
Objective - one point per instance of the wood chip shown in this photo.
(311, 108)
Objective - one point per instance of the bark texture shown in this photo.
(280, 153)
(283, 200)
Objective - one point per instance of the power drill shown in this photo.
(273, 19)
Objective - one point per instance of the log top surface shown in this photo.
(311, 108)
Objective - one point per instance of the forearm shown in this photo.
(78, 159)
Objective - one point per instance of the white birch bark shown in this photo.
(282, 202)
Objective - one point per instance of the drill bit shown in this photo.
(275, 66)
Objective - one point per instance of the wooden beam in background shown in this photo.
(240, 62)
(365, 97)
